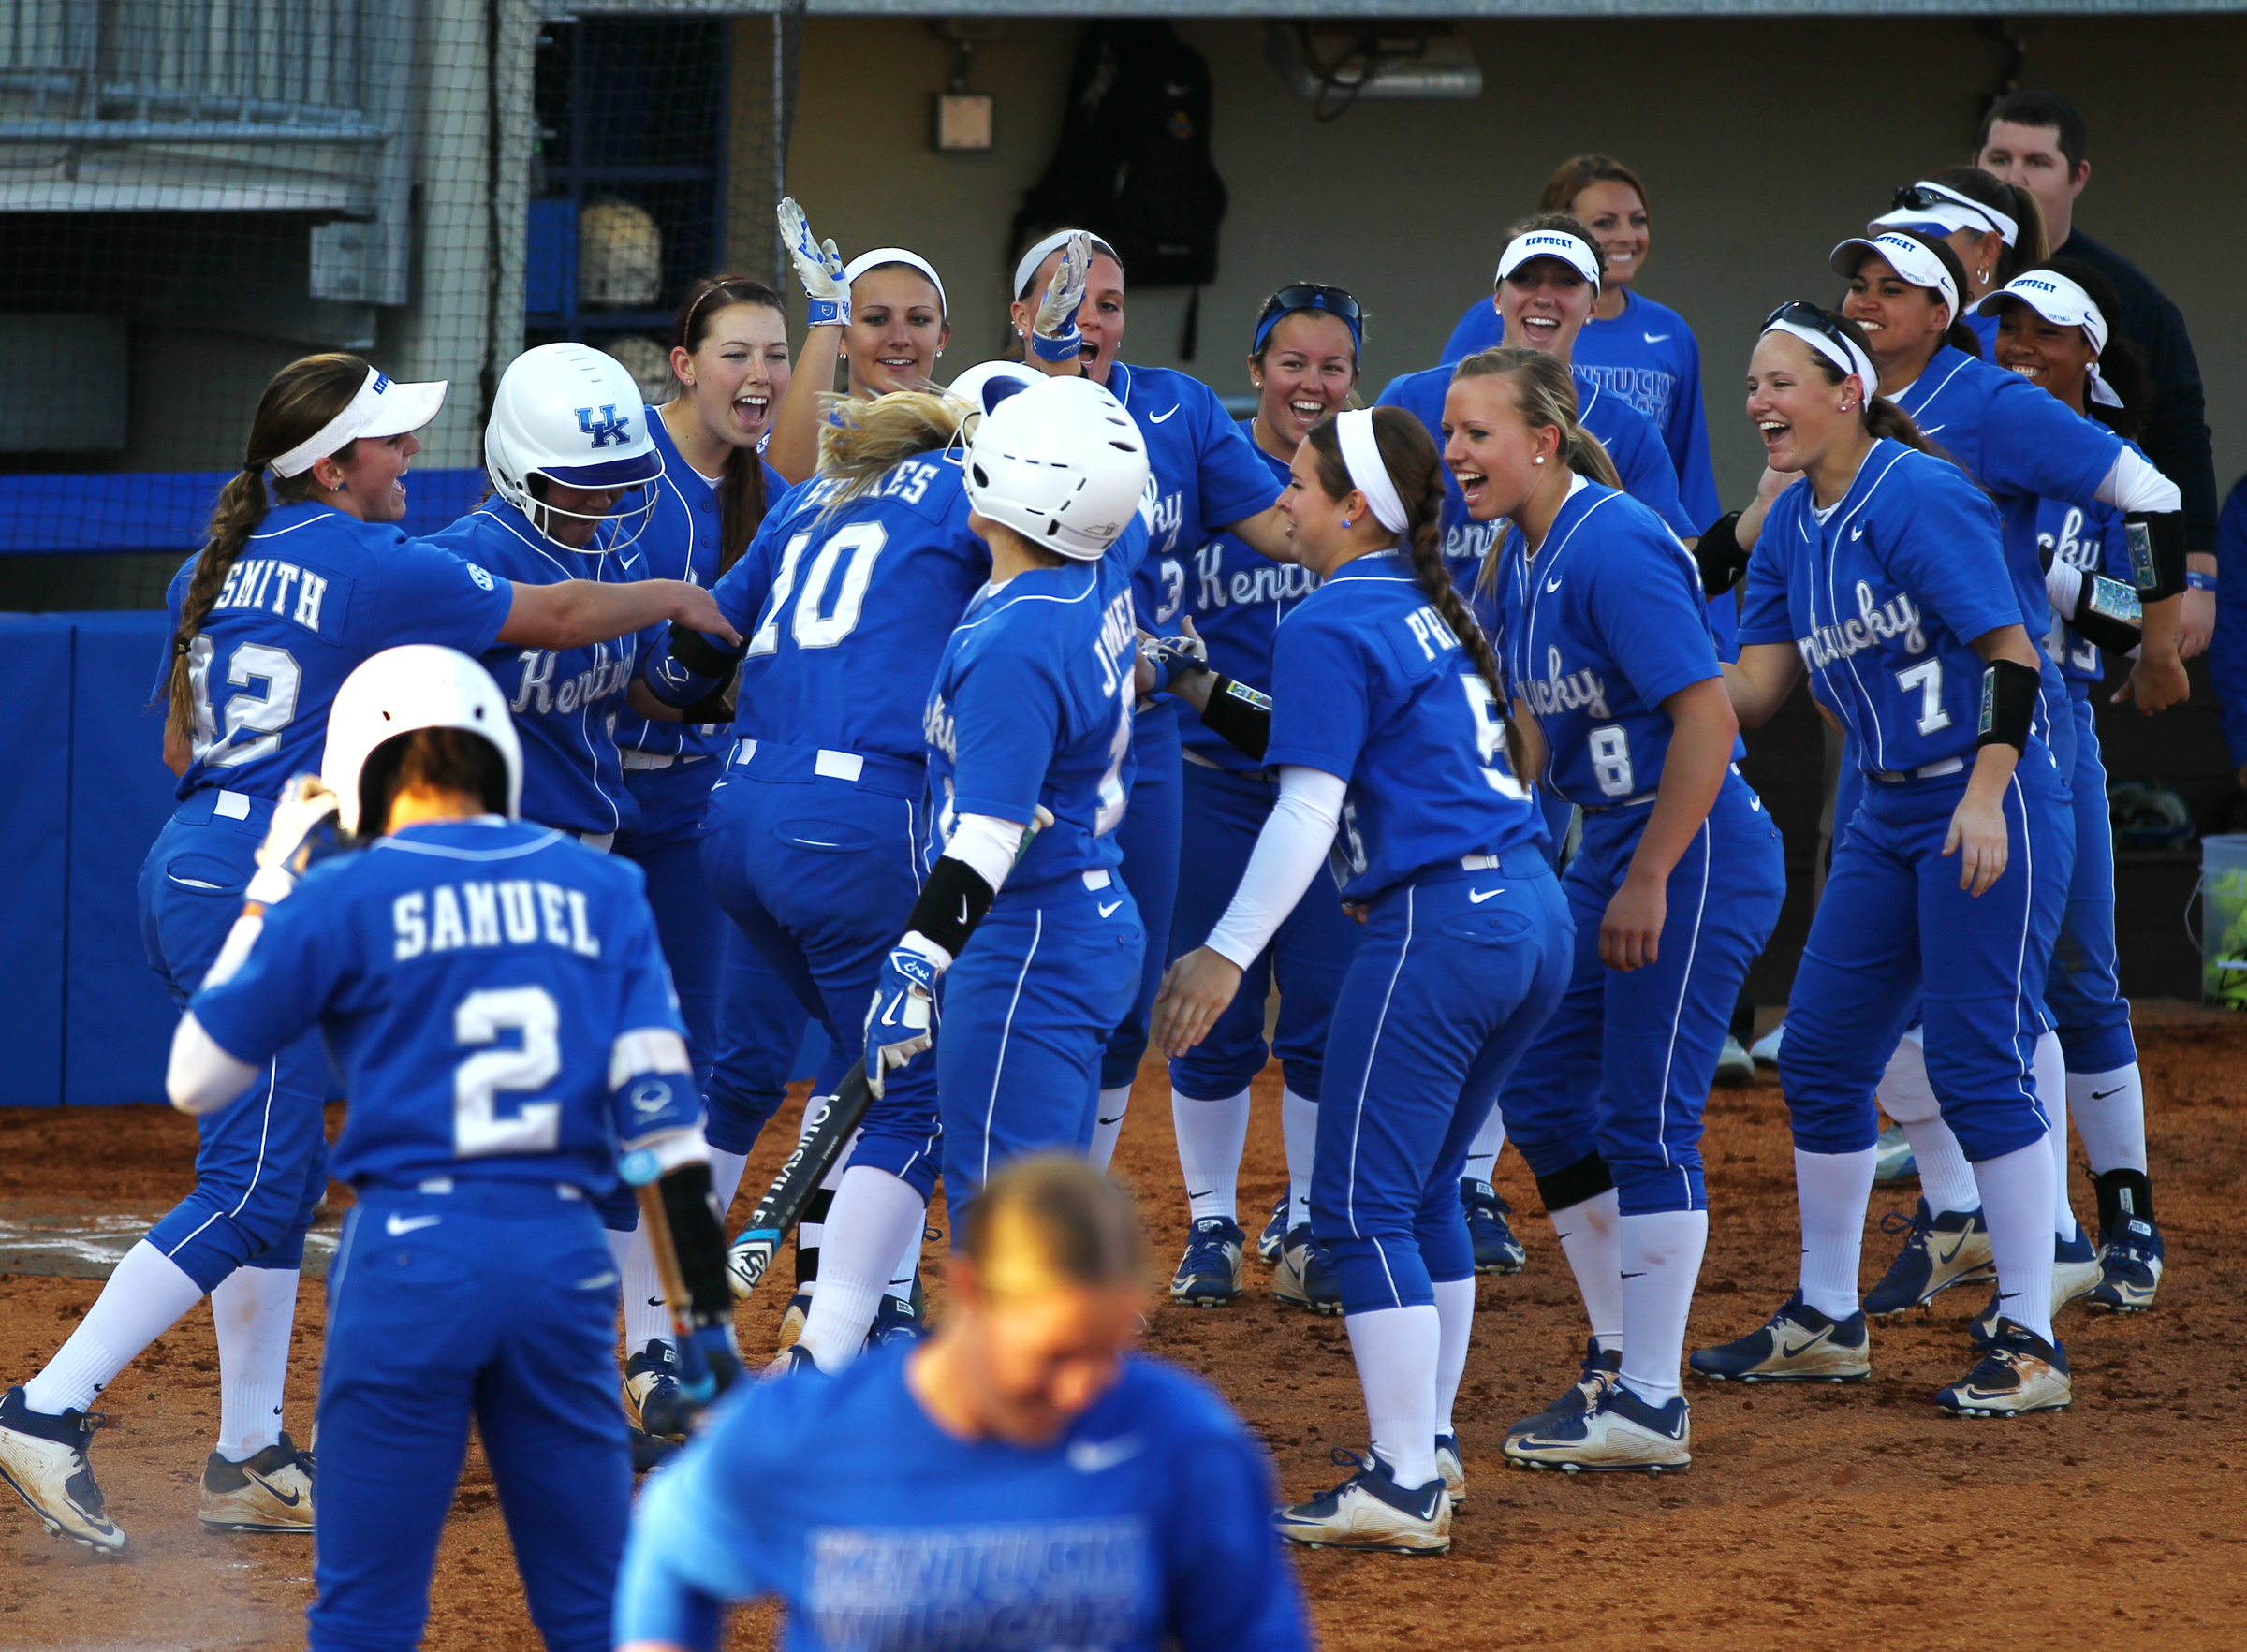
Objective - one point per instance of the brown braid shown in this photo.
(299, 401)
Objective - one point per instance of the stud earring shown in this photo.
(1539, 460)
(1345, 521)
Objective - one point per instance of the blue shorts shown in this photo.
(667, 847)
(1625, 1065)
(2084, 993)
(261, 1162)
(1149, 839)
(501, 1309)
(1895, 934)
(821, 874)
(1457, 972)
(1025, 1014)
(1308, 957)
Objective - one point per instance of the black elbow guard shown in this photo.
(1721, 560)
(2009, 695)
(713, 706)
(953, 902)
(2108, 614)
(1240, 715)
(700, 655)
(2156, 552)
(690, 1207)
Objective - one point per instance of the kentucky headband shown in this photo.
(2063, 303)
(1842, 352)
(880, 255)
(1571, 250)
(381, 408)
(1361, 458)
(1046, 249)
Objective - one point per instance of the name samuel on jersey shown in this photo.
(511, 912)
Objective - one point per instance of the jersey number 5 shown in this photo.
(1489, 738)
(481, 1017)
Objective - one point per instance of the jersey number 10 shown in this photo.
(861, 543)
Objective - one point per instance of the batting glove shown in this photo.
(818, 266)
(303, 831)
(1055, 335)
(1170, 656)
(900, 1023)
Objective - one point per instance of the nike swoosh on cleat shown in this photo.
(1781, 1348)
(285, 1499)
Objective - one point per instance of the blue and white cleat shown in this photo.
(2130, 1266)
(1306, 1277)
(1496, 1249)
(45, 1459)
(1893, 1159)
(1620, 1435)
(1798, 1344)
(2019, 1373)
(1734, 1065)
(1452, 1468)
(1939, 1252)
(896, 1324)
(1764, 1052)
(1208, 1275)
(2076, 1272)
(1596, 1377)
(1371, 1510)
(1274, 1234)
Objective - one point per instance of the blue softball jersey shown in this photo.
(1883, 597)
(1647, 356)
(1237, 599)
(1598, 629)
(1147, 1524)
(1032, 704)
(1369, 684)
(472, 978)
(312, 593)
(565, 701)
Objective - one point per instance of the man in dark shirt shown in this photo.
(2037, 141)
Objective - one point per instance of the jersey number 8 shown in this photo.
(1611, 760)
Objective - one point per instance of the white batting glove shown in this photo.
(302, 831)
(818, 266)
(1055, 335)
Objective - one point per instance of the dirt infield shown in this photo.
(1856, 1514)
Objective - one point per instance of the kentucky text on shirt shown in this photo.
(513, 912)
(603, 678)
(1876, 623)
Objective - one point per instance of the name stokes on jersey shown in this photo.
(505, 912)
(1876, 623)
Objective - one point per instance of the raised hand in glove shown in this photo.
(1055, 335)
(818, 266)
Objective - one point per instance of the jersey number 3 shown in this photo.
(480, 1019)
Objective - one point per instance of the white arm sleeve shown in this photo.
(202, 1077)
(2063, 585)
(988, 844)
(1289, 851)
(2134, 485)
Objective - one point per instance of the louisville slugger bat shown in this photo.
(778, 1211)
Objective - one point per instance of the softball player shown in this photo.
(1675, 888)
(1019, 1480)
(462, 964)
(1206, 478)
(1303, 364)
(295, 588)
(1883, 573)
(2053, 329)
(1387, 725)
(1632, 346)
(1995, 231)
(1028, 730)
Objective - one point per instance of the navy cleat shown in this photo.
(2076, 1273)
(651, 1399)
(1619, 1434)
(1306, 1277)
(2131, 1250)
(896, 1325)
(1371, 1510)
(1452, 1468)
(1596, 1377)
(1939, 1252)
(1798, 1344)
(1274, 1234)
(1208, 1275)
(2019, 1373)
(791, 1320)
(45, 1459)
(268, 1493)
(1496, 1249)
(650, 1450)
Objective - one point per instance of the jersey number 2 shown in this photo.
(480, 1019)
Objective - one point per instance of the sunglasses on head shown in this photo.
(1926, 198)
(1305, 295)
(1802, 314)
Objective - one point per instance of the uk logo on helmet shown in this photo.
(606, 428)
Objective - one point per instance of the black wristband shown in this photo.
(2108, 614)
(953, 902)
(698, 1239)
(1241, 715)
(2009, 695)
(1718, 553)
(700, 655)
(713, 706)
(2156, 552)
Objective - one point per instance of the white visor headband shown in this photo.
(1842, 352)
(1571, 250)
(1045, 249)
(2063, 303)
(1361, 458)
(381, 408)
(1911, 259)
(880, 255)
(1962, 212)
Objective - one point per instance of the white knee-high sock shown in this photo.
(1397, 1350)
(1489, 1141)
(725, 1179)
(1588, 1240)
(1299, 1133)
(874, 1216)
(647, 1315)
(255, 1312)
(1946, 1180)
(1455, 1318)
(1832, 1189)
(1108, 1125)
(1661, 1259)
(2110, 1111)
(907, 1266)
(2017, 1201)
(1210, 1136)
(143, 1299)
(813, 1224)
(2051, 1090)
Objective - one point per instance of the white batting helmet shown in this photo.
(574, 415)
(420, 685)
(1061, 463)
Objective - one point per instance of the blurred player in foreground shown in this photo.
(494, 995)
(1020, 1478)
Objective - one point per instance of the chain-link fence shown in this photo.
(195, 192)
